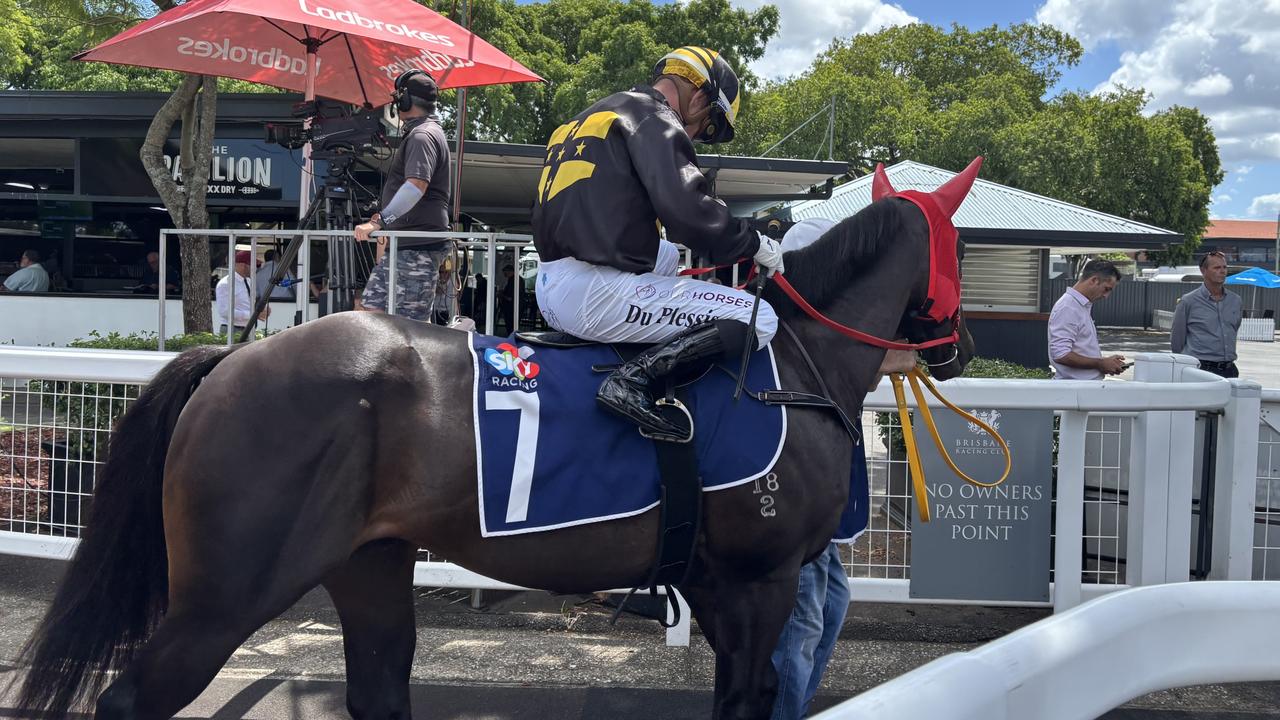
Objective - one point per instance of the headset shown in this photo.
(401, 97)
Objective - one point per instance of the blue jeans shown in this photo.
(810, 634)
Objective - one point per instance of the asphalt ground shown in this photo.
(534, 656)
(1258, 361)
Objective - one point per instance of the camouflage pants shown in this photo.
(417, 272)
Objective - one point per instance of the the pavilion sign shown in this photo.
(238, 169)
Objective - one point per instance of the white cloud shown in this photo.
(1216, 55)
(808, 27)
(1222, 198)
(1267, 206)
(1095, 21)
(1210, 86)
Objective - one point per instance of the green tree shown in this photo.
(941, 97)
(917, 91)
(58, 29)
(15, 32)
(1194, 126)
(587, 49)
(1102, 152)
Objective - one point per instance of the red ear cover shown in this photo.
(880, 185)
(953, 192)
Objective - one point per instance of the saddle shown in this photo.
(680, 491)
(680, 495)
(553, 338)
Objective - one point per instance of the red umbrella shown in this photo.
(348, 50)
(354, 49)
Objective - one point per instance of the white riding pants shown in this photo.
(604, 304)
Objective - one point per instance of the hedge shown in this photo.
(147, 341)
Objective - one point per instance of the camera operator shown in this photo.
(415, 197)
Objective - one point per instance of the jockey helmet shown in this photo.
(707, 71)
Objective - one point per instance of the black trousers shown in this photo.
(1221, 369)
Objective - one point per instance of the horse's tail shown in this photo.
(116, 588)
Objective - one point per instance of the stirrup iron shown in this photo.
(673, 402)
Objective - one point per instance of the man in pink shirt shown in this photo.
(1073, 338)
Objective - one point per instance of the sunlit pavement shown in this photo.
(533, 656)
(1258, 361)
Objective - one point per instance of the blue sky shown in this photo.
(1217, 55)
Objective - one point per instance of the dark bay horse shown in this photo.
(326, 455)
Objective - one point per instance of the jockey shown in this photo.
(614, 178)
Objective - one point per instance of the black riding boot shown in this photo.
(629, 390)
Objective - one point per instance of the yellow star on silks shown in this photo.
(581, 146)
(560, 155)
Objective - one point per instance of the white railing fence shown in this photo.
(1266, 526)
(347, 265)
(1119, 647)
(68, 397)
(1162, 403)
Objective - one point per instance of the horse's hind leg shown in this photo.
(373, 593)
(189, 647)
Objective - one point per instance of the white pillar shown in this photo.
(1148, 470)
(1069, 515)
(678, 634)
(1236, 482)
(1180, 447)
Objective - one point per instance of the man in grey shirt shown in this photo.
(414, 197)
(1207, 319)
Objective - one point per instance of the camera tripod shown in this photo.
(333, 207)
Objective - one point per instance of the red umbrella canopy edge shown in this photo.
(361, 46)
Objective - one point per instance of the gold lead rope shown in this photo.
(908, 433)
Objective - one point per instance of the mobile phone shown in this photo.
(1127, 365)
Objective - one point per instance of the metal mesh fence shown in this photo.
(53, 437)
(1106, 495)
(884, 550)
(54, 434)
(1266, 525)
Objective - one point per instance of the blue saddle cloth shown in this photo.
(550, 457)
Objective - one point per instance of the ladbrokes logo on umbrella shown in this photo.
(351, 17)
(271, 58)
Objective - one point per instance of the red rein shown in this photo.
(813, 312)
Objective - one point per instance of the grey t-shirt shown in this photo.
(31, 278)
(1205, 328)
(423, 154)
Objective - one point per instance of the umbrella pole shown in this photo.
(457, 175)
(309, 95)
(462, 132)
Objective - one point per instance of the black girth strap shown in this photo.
(680, 514)
(680, 498)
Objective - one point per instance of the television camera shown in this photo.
(335, 131)
(340, 140)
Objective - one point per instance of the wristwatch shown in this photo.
(376, 219)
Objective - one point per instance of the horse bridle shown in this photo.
(811, 311)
